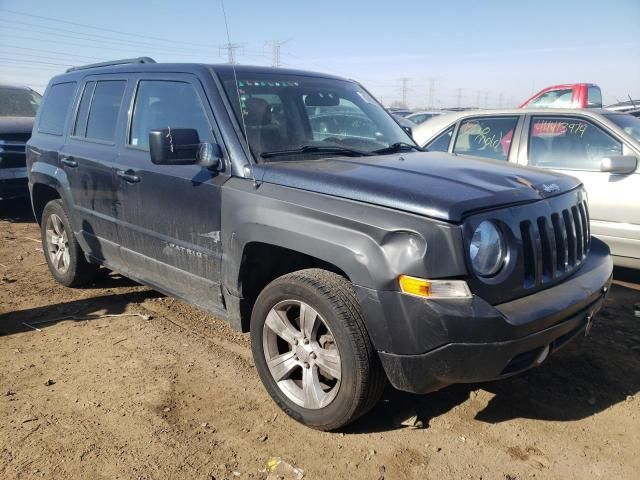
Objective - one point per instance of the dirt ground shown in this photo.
(176, 396)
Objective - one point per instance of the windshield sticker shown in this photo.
(266, 83)
(557, 127)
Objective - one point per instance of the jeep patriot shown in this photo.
(294, 206)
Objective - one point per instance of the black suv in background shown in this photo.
(293, 205)
(18, 107)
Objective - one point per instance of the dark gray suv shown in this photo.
(293, 205)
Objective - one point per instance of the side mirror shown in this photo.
(619, 164)
(181, 146)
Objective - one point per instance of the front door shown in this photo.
(575, 145)
(170, 226)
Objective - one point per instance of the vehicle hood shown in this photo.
(433, 184)
(16, 124)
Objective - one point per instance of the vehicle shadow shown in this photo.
(586, 377)
(17, 211)
(77, 310)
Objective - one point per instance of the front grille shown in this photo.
(555, 244)
(12, 152)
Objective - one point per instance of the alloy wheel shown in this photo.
(301, 354)
(57, 244)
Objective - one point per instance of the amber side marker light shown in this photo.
(421, 287)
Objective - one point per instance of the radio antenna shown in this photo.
(235, 79)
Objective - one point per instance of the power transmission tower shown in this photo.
(275, 51)
(486, 99)
(478, 93)
(405, 90)
(432, 87)
(458, 97)
(500, 100)
(231, 51)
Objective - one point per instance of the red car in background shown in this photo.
(571, 95)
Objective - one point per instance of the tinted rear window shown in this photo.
(105, 109)
(55, 108)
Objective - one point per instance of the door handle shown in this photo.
(128, 175)
(68, 161)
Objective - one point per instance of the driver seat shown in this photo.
(264, 135)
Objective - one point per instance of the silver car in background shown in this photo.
(598, 146)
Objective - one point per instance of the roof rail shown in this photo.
(124, 61)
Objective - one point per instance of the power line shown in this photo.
(46, 57)
(85, 37)
(29, 62)
(93, 27)
(117, 48)
(12, 47)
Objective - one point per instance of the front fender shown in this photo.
(372, 245)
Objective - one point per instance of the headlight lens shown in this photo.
(487, 249)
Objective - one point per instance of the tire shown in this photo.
(336, 351)
(70, 268)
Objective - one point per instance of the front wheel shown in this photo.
(312, 351)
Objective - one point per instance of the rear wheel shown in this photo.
(64, 256)
(312, 351)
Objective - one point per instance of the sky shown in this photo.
(467, 52)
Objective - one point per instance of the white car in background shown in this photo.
(600, 147)
(423, 116)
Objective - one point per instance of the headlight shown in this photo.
(487, 249)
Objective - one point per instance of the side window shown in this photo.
(569, 143)
(105, 107)
(594, 97)
(163, 104)
(80, 128)
(554, 99)
(486, 137)
(55, 108)
(441, 143)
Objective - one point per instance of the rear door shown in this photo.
(575, 145)
(170, 228)
(88, 158)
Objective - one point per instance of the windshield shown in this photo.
(318, 116)
(18, 102)
(628, 123)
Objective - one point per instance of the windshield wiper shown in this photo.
(316, 149)
(398, 147)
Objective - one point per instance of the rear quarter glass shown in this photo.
(55, 108)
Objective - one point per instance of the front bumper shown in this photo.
(480, 342)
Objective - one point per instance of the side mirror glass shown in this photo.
(619, 164)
